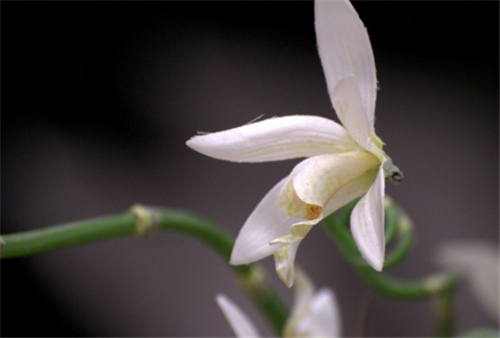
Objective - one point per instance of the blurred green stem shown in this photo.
(140, 221)
(445, 309)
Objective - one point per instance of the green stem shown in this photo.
(78, 233)
(67, 235)
(445, 305)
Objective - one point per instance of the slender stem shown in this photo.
(445, 309)
(77, 233)
(67, 235)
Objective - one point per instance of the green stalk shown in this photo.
(67, 235)
(445, 309)
(140, 221)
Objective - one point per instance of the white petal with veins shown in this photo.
(346, 99)
(276, 139)
(367, 223)
(345, 49)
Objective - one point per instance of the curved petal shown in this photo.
(477, 262)
(275, 139)
(316, 180)
(240, 323)
(351, 191)
(347, 101)
(267, 222)
(367, 223)
(345, 49)
(284, 260)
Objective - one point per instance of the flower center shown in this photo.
(313, 211)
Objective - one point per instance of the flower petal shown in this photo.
(345, 49)
(346, 99)
(240, 323)
(312, 314)
(304, 293)
(275, 139)
(324, 318)
(284, 260)
(367, 223)
(350, 191)
(316, 180)
(267, 222)
(477, 262)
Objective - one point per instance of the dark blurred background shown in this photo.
(98, 101)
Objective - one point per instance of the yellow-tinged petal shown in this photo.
(284, 259)
(316, 180)
(318, 184)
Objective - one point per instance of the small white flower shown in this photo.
(314, 314)
(477, 262)
(343, 162)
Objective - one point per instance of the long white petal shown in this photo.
(367, 223)
(477, 262)
(345, 49)
(240, 323)
(267, 222)
(275, 139)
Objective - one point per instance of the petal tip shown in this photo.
(193, 143)
(237, 259)
(375, 261)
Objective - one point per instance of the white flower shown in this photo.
(477, 262)
(343, 162)
(314, 314)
